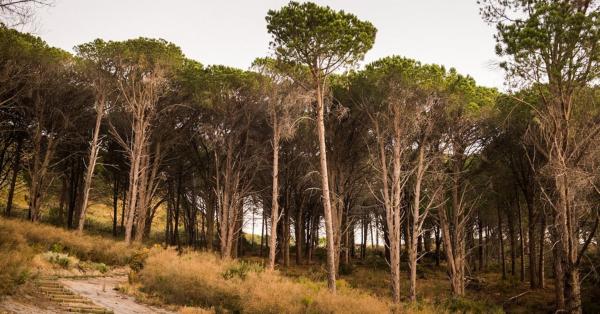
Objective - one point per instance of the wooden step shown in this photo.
(68, 300)
(97, 310)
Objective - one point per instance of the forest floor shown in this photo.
(487, 292)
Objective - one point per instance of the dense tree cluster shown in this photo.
(439, 166)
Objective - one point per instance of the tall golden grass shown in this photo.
(15, 256)
(202, 279)
(85, 247)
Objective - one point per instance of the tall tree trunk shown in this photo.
(91, 164)
(521, 239)
(559, 278)
(438, 244)
(115, 203)
(210, 222)
(480, 247)
(135, 158)
(325, 190)
(299, 236)
(72, 193)
(417, 222)
(533, 283)
(541, 266)
(262, 232)
(177, 206)
(511, 233)
(501, 243)
(274, 197)
(15, 172)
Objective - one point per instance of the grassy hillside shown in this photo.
(21, 241)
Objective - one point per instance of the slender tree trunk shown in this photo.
(210, 222)
(416, 224)
(123, 207)
(501, 243)
(63, 199)
(15, 173)
(115, 204)
(325, 191)
(91, 165)
(286, 235)
(541, 266)
(533, 283)
(559, 278)
(262, 233)
(299, 236)
(480, 247)
(521, 239)
(274, 197)
(438, 244)
(511, 233)
(134, 175)
(177, 205)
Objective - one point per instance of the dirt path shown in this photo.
(101, 291)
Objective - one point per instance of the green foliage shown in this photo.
(318, 37)
(138, 258)
(60, 259)
(241, 270)
(548, 40)
(56, 248)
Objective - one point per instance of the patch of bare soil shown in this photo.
(102, 292)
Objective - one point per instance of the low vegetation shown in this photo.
(85, 247)
(15, 256)
(21, 241)
(203, 279)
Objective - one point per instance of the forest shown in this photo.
(310, 182)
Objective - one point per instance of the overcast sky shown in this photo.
(447, 32)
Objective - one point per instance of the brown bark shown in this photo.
(299, 229)
(541, 265)
(15, 172)
(91, 163)
(501, 244)
(330, 233)
(274, 196)
(115, 203)
(533, 282)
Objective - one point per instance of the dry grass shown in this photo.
(85, 247)
(202, 279)
(15, 257)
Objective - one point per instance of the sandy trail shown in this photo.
(101, 291)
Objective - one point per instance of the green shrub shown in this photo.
(56, 248)
(241, 270)
(63, 260)
(138, 258)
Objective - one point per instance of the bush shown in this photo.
(138, 258)
(63, 260)
(241, 270)
(202, 279)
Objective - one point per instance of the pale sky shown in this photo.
(233, 33)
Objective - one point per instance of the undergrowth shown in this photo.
(203, 279)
